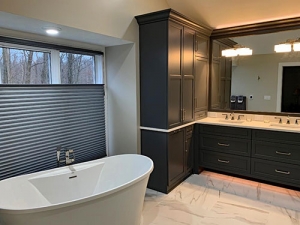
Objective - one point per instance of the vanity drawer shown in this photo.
(276, 172)
(222, 144)
(226, 131)
(276, 151)
(225, 162)
(277, 136)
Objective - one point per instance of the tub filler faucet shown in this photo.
(69, 155)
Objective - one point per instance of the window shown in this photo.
(77, 68)
(21, 64)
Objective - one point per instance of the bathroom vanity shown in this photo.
(264, 151)
(183, 76)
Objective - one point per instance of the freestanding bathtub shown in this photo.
(108, 191)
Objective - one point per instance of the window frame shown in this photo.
(54, 51)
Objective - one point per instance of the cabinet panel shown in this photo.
(216, 52)
(174, 108)
(189, 149)
(201, 84)
(187, 99)
(188, 52)
(175, 48)
(201, 48)
(226, 131)
(275, 151)
(274, 171)
(222, 144)
(176, 155)
(225, 162)
(276, 136)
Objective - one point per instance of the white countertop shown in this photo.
(274, 126)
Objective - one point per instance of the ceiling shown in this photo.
(214, 13)
(228, 13)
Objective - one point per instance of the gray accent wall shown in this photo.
(35, 119)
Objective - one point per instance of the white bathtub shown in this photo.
(108, 191)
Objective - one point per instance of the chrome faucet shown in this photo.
(226, 116)
(69, 155)
(239, 117)
(288, 120)
(232, 116)
(280, 120)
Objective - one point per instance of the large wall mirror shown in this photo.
(264, 82)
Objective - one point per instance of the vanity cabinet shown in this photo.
(276, 156)
(272, 156)
(225, 148)
(167, 69)
(172, 154)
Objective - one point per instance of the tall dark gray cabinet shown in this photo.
(173, 90)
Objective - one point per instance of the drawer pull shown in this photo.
(283, 172)
(225, 145)
(283, 153)
(223, 161)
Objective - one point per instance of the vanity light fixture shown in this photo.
(52, 30)
(237, 50)
(285, 47)
(296, 46)
(288, 46)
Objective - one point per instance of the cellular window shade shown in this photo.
(35, 119)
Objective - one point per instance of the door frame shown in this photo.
(279, 84)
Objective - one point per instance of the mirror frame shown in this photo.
(250, 29)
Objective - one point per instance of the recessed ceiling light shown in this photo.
(52, 30)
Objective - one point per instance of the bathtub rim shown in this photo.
(86, 199)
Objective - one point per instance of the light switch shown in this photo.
(267, 97)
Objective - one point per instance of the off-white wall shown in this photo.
(112, 18)
(245, 79)
(109, 17)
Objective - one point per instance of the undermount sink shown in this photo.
(231, 121)
(284, 125)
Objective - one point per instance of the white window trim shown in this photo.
(55, 67)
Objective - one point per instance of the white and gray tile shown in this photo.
(214, 199)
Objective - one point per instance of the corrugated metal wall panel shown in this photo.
(35, 119)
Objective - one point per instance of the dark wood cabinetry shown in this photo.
(266, 155)
(169, 43)
(169, 97)
(225, 148)
(172, 154)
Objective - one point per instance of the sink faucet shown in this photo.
(226, 116)
(288, 120)
(280, 120)
(239, 117)
(69, 155)
(232, 116)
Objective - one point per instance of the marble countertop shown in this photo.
(274, 126)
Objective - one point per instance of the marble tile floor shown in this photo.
(215, 199)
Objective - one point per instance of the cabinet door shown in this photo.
(176, 155)
(215, 85)
(188, 75)
(201, 48)
(175, 77)
(189, 153)
(201, 84)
